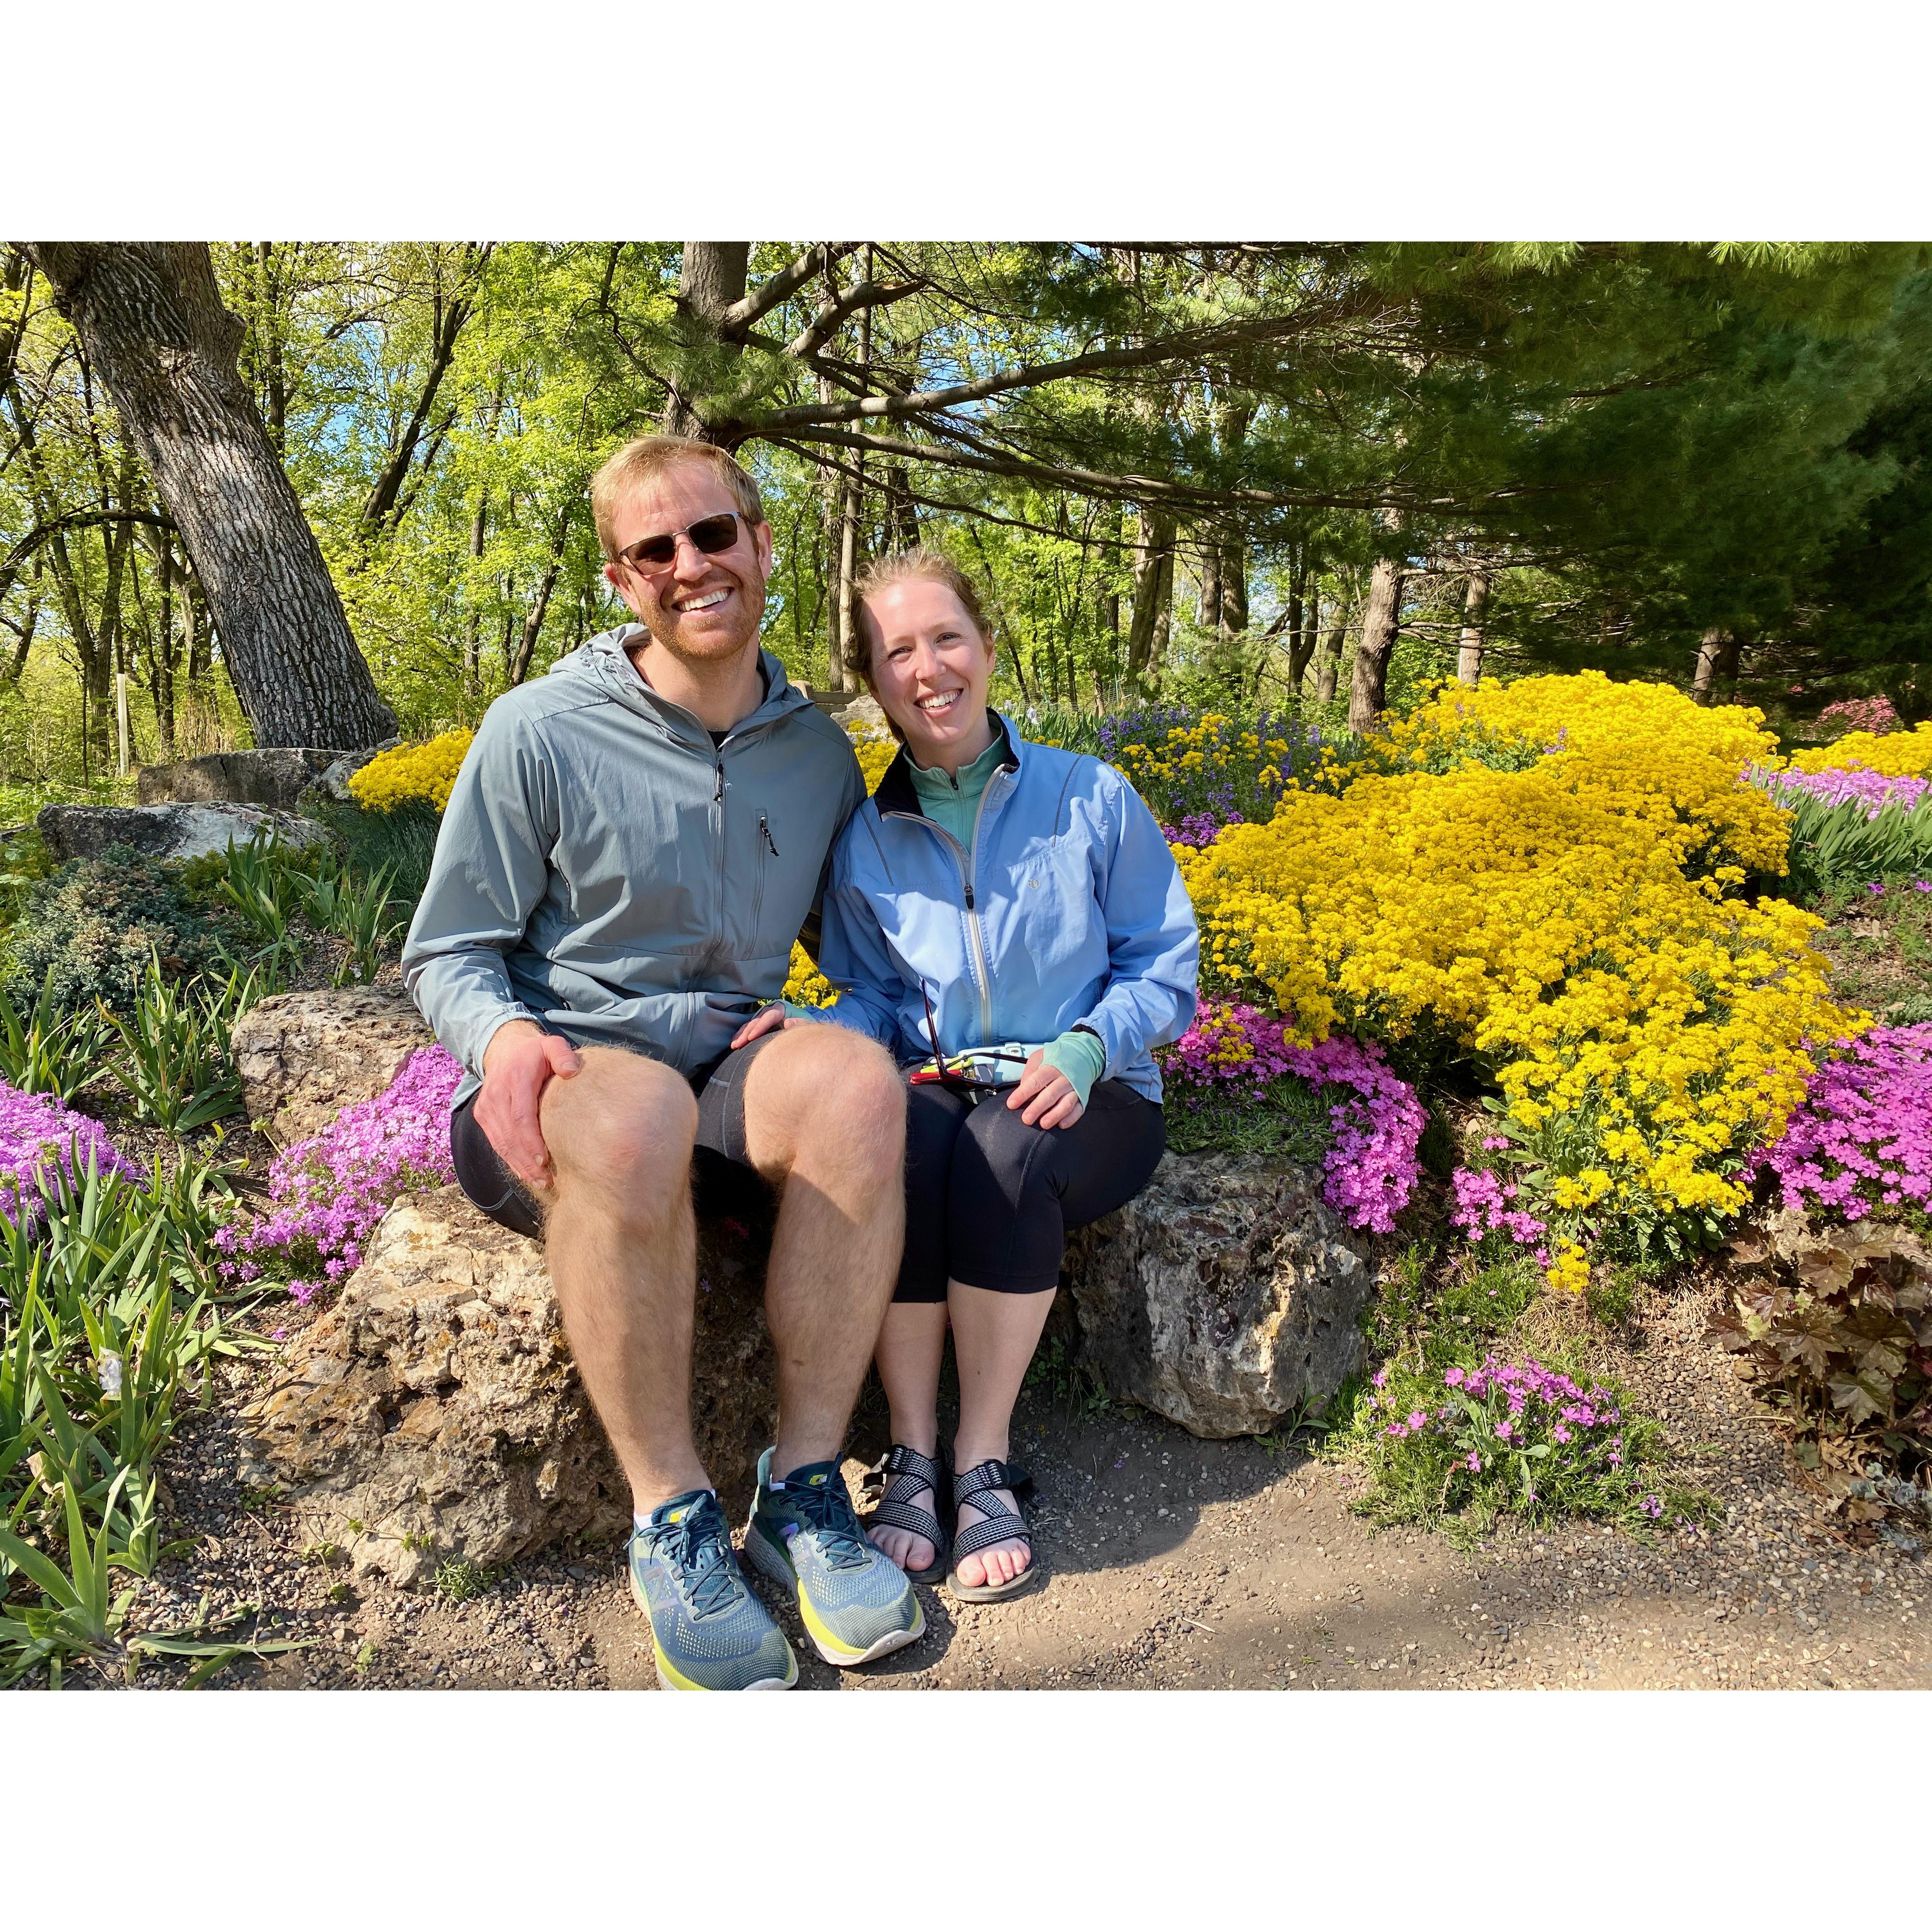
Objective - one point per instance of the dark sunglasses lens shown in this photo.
(712, 534)
(653, 550)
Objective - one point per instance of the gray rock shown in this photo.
(303, 1057)
(166, 831)
(333, 783)
(1226, 1296)
(434, 1411)
(275, 777)
(864, 717)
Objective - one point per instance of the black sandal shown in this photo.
(909, 1472)
(998, 1524)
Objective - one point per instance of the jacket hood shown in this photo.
(604, 662)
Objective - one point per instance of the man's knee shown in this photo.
(829, 1091)
(621, 1131)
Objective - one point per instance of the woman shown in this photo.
(1016, 904)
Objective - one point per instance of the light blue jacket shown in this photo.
(1068, 910)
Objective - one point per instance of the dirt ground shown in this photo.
(1179, 1564)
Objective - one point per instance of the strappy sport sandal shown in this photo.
(909, 1472)
(998, 1524)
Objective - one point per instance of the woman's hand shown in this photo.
(761, 1024)
(1046, 1095)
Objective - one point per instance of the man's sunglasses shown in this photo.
(709, 536)
(939, 1074)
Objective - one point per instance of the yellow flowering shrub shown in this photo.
(410, 772)
(1646, 1034)
(807, 986)
(1647, 737)
(1892, 755)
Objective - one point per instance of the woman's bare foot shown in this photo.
(908, 1549)
(999, 1562)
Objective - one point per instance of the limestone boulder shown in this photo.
(434, 1411)
(275, 777)
(1226, 1296)
(303, 1057)
(167, 831)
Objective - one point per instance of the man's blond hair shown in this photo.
(645, 457)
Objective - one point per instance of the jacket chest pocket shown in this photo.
(1059, 922)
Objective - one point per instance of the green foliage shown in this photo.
(458, 1579)
(400, 842)
(45, 1050)
(90, 931)
(25, 861)
(175, 1063)
(1837, 847)
(1841, 1340)
(1288, 1118)
(107, 1324)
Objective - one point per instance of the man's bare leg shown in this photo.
(825, 1121)
(622, 1249)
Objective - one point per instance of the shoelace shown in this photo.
(828, 1514)
(707, 1581)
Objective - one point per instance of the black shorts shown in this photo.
(722, 1175)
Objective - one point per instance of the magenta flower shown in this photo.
(37, 1136)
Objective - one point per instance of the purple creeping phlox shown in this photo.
(1484, 1205)
(1862, 1140)
(329, 1193)
(1371, 1165)
(37, 1133)
(1507, 1435)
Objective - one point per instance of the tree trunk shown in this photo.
(1328, 665)
(1381, 623)
(1717, 657)
(847, 607)
(1302, 634)
(150, 317)
(1207, 614)
(1469, 655)
(1234, 588)
(710, 279)
(1154, 564)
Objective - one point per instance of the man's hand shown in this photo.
(1046, 1094)
(761, 1024)
(519, 1062)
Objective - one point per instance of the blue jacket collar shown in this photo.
(896, 792)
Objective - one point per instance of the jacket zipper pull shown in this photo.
(717, 796)
(969, 898)
(765, 829)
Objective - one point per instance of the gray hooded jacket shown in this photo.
(605, 869)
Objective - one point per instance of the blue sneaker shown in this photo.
(709, 1632)
(855, 1600)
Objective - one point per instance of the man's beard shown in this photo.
(662, 624)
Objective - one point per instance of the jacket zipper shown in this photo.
(982, 972)
(766, 843)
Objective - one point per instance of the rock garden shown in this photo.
(1535, 1289)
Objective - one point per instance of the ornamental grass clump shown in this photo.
(1861, 1144)
(329, 1193)
(1503, 1437)
(40, 1137)
(1374, 1121)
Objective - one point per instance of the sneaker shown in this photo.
(855, 1600)
(709, 1632)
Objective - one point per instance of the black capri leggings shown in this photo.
(988, 1199)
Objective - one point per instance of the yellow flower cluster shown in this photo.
(1645, 1032)
(1649, 736)
(1570, 1272)
(875, 755)
(410, 772)
(1892, 755)
(808, 986)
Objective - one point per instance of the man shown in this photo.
(631, 848)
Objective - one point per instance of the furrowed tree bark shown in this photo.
(150, 317)
(1153, 591)
(710, 282)
(1469, 653)
(1381, 623)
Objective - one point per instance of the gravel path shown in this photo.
(1180, 1563)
